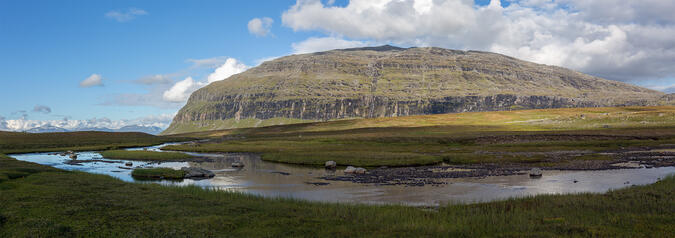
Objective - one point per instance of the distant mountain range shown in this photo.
(153, 130)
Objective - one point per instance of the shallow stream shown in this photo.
(274, 179)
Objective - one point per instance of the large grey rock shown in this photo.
(535, 172)
(191, 172)
(360, 171)
(350, 169)
(330, 164)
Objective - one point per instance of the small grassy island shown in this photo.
(142, 155)
(158, 173)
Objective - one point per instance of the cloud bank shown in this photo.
(161, 121)
(620, 40)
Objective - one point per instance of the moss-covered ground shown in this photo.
(39, 201)
(462, 138)
(157, 173)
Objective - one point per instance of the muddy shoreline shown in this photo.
(663, 156)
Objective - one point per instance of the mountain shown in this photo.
(153, 130)
(389, 81)
(46, 128)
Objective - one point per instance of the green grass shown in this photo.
(145, 155)
(19, 142)
(462, 138)
(46, 202)
(158, 173)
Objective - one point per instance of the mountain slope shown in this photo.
(389, 81)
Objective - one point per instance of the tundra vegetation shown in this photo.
(526, 137)
(41, 201)
(157, 173)
(37, 200)
(20, 142)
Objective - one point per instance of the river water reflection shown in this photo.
(283, 180)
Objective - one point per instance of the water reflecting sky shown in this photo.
(275, 179)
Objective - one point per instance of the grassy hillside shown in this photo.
(462, 138)
(39, 201)
(20, 142)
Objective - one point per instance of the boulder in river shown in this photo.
(191, 172)
(360, 171)
(128, 164)
(535, 172)
(330, 164)
(73, 156)
(350, 169)
(237, 165)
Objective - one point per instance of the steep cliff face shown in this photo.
(388, 81)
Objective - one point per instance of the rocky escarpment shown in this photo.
(388, 81)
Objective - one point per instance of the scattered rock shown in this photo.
(237, 165)
(73, 156)
(350, 169)
(360, 171)
(282, 173)
(330, 164)
(629, 164)
(191, 172)
(535, 172)
(317, 183)
(128, 164)
(605, 126)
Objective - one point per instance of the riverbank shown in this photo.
(21, 142)
(570, 138)
(42, 201)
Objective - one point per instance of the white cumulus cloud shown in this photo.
(620, 40)
(180, 91)
(260, 26)
(230, 67)
(317, 44)
(91, 81)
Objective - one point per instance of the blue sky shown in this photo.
(47, 48)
